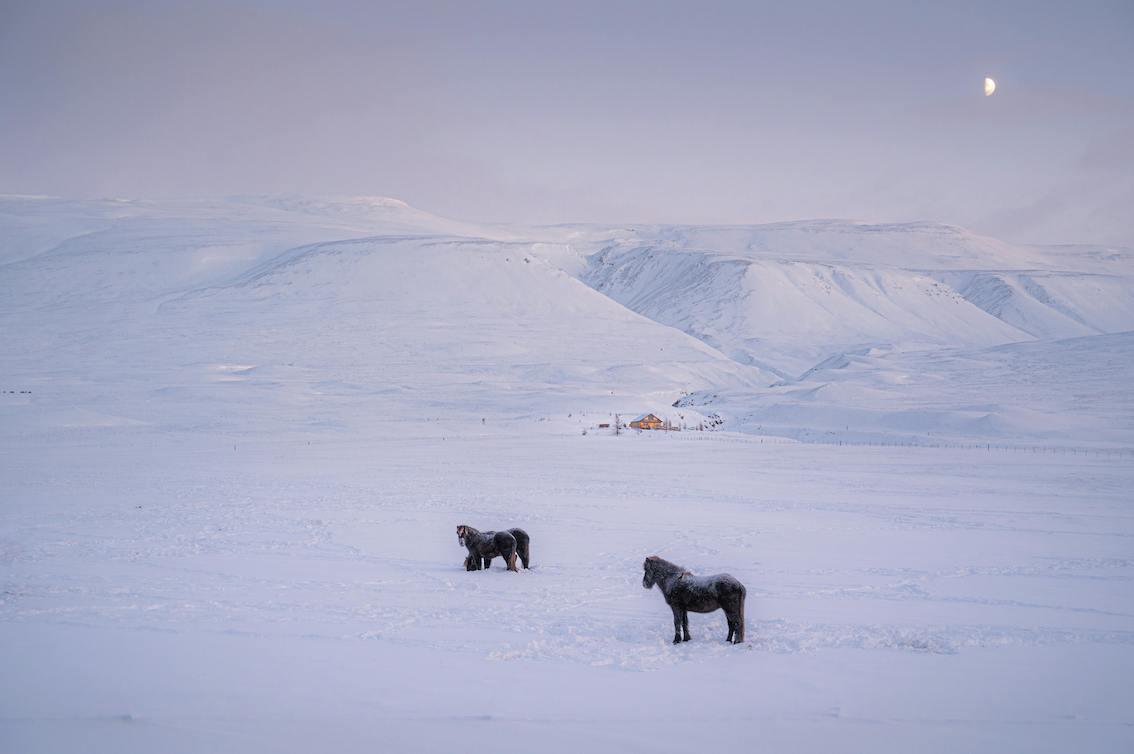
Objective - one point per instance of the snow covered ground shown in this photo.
(236, 438)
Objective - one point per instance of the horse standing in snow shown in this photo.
(702, 594)
(484, 546)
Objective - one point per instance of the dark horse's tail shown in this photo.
(523, 545)
(738, 637)
(506, 546)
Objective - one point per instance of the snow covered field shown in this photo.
(236, 439)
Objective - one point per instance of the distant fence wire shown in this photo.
(987, 447)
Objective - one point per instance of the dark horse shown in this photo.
(702, 594)
(484, 546)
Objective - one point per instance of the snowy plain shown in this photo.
(236, 438)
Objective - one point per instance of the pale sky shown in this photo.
(588, 111)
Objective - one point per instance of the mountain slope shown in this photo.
(792, 294)
(791, 314)
(267, 311)
(234, 319)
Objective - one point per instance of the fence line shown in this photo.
(988, 447)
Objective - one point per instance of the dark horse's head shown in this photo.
(649, 578)
(655, 569)
(464, 530)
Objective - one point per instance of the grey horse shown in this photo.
(702, 594)
(484, 546)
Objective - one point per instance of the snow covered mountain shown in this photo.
(793, 294)
(365, 308)
(900, 303)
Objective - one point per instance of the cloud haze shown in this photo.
(541, 112)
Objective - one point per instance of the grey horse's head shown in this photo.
(462, 531)
(648, 579)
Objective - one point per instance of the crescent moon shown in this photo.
(989, 87)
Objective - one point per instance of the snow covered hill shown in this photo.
(792, 294)
(319, 303)
(804, 299)
(238, 306)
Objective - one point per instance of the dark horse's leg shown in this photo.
(677, 612)
(734, 611)
(685, 623)
(472, 562)
(487, 563)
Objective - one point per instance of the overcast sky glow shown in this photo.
(601, 111)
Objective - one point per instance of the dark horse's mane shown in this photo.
(662, 567)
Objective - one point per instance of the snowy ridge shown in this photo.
(411, 313)
(792, 313)
(1051, 305)
(808, 300)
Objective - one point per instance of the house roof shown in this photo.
(647, 416)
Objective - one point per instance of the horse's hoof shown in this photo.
(687, 638)
(677, 641)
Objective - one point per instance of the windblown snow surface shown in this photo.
(236, 438)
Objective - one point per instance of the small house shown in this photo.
(647, 421)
